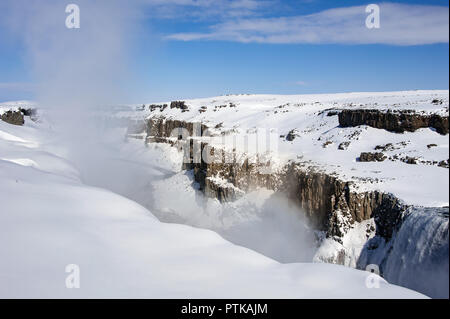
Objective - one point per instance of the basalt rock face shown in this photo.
(329, 202)
(226, 173)
(372, 157)
(333, 206)
(397, 121)
(13, 117)
(162, 127)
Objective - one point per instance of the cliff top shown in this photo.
(412, 165)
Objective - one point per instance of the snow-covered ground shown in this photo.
(15, 105)
(318, 136)
(55, 211)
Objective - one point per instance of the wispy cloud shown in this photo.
(300, 83)
(206, 9)
(401, 24)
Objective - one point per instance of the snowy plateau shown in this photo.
(356, 181)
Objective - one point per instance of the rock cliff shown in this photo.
(393, 121)
(329, 202)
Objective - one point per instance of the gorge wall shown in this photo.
(393, 121)
(329, 202)
(331, 205)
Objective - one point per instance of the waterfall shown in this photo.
(417, 256)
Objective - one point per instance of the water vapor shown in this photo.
(79, 75)
(76, 71)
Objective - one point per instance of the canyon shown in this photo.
(309, 197)
(333, 204)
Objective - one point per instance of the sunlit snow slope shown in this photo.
(49, 219)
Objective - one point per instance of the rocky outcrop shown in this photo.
(445, 164)
(333, 206)
(291, 135)
(393, 121)
(344, 145)
(179, 105)
(28, 112)
(13, 117)
(221, 189)
(162, 127)
(160, 107)
(372, 157)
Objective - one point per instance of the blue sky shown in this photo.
(188, 48)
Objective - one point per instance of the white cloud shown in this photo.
(301, 83)
(400, 25)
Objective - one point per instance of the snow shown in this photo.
(50, 218)
(424, 184)
(353, 243)
(260, 220)
(15, 105)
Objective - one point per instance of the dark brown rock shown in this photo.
(332, 113)
(397, 122)
(179, 105)
(372, 157)
(326, 144)
(437, 102)
(344, 145)
(410, 160)
(28, 112)
(154, 107)
(291, 135)
(385, 148)
(13, 117)
(444, 164)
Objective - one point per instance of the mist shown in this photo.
(79, 74)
